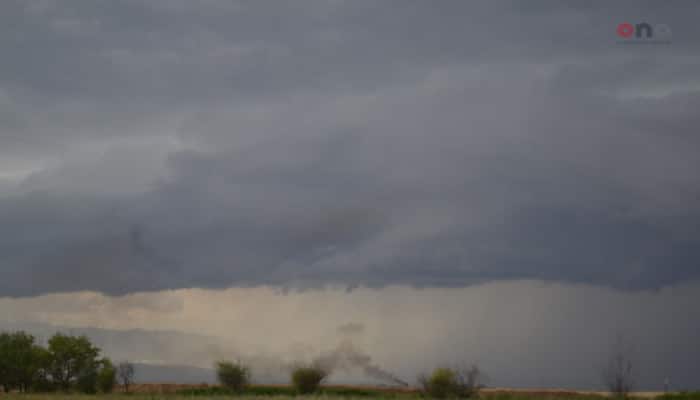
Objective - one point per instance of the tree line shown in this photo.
(73, 363)
(67, 363)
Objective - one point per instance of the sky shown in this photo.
(505, 183)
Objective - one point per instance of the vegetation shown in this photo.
(440, 384)
(253, 393)
(377, 395)
(306, 379)
(21, 361)
(73, 364)
(542, 396)
(265, 390)
(233, 376)
(107, 377)
(68, 363)
(73, 361)
(451, 383)
(680, 396)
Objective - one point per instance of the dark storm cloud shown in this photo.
(146, 145)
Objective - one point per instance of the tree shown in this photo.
(69, 361)
(618, 375)
(307, 378)
(441, 383)
(20, 361)
(42, 381)
(107, 376)
(86, 381)
(41, 362)
(469, 381)
(73, 359)
(452, 382)
(234, 376)
(125, 372)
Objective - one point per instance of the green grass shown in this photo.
(680, 396)
(284, 393)
(519, 396)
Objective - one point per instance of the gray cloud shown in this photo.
(150, 146)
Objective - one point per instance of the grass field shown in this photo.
(282, 392)
(335, 394)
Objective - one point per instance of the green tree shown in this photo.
(107, 376)
(86, 381)
(442, 383)
(73, 359)
(42, 360)
(452, 382)
(234, 376)
(307, 378)
(21, 361)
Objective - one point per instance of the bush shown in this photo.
(307, 379)
(234, 376)
(442, 383)
(452, 383)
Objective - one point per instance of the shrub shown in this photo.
(234, 376)
(452, 383)
(307, 379)
(442, 383)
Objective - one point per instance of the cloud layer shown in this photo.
(150, 146)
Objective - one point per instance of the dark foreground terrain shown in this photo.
(282, 392)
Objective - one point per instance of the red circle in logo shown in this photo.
(625, 30)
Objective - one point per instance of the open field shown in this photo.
(370, 391)
(491, 395)
(281, 392)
